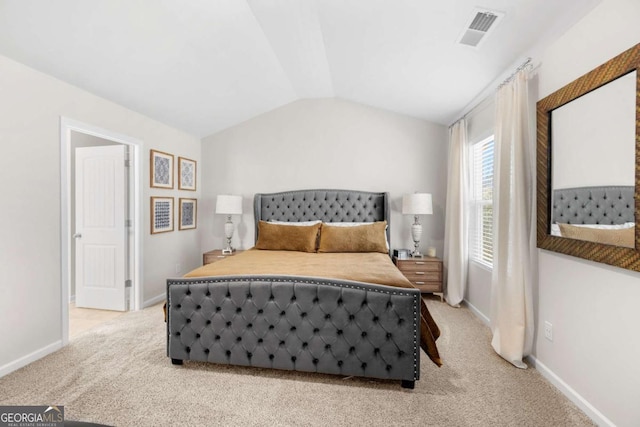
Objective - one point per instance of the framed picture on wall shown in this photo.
(188, 212)
(186, 174)
(161, 214)
(161, 169)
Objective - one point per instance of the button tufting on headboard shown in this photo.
(594, 205)
(324, 205)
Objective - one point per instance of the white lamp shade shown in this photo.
(228, 205)
(417, 204)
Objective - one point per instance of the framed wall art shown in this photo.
(161, 214)
(188, 214)
(186, 174)
(161, 169)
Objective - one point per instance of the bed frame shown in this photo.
(300, 323)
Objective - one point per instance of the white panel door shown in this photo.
(100, 235)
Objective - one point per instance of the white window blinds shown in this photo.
(481, 215)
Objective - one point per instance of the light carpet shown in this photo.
(118, 374)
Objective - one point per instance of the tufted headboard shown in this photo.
(593, 205)
(324, 205)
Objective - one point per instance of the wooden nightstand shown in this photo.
(424, 273)
(216, 255)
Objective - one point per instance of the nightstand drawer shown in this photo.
(424, 264)
(428, 286)
(422, 276)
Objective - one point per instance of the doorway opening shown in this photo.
(83, 138)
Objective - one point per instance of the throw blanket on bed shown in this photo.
(368, 267)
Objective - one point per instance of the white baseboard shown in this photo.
(555, 380)
(155, 300)
(570, 393)
(29, 358)
(478, 313)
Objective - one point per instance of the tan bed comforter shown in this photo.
(366, 267)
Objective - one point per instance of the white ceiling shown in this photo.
(205, 65)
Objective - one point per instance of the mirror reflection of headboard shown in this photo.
(596, 214)
(593, 205)
(624, 257)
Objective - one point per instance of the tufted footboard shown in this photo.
(296, 323)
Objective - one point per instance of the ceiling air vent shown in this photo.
(482, 22)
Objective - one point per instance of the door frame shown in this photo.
(135, 187)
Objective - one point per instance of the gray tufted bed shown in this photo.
(311, 324)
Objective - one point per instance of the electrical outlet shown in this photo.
(178, 268)
(548, 331)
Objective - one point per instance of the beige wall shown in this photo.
(326, 143)
(31, 104)
(593, 307)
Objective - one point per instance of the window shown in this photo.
(481, 212)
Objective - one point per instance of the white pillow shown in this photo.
(301, 223)
(345, 224)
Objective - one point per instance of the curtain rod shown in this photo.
(521, 67)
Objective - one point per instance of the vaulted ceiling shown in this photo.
(205, 65)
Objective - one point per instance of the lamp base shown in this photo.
(228, 232)
(416, 235)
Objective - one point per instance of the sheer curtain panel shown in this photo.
(456, 242)
(512, 277)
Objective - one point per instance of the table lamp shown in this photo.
(228, 205)
(416, 204)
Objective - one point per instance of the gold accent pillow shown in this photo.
(361, 238)
(278, 237)
(618, 237)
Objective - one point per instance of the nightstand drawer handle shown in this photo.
(419, 283)
(420, 272)
(419, 262)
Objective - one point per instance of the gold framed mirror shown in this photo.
(592, 220)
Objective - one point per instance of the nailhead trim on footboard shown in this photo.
(296, 323)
